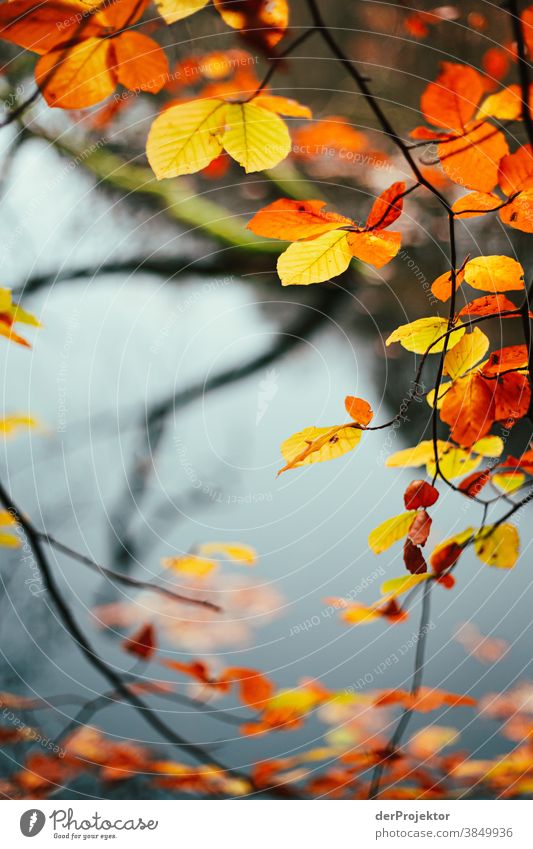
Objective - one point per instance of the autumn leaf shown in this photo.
(420, 494)
(424, 334)
(474, 204)
(420, 528)
(498, 545)
(185, 138)
(7, 539)
(175, 10)
(470, 150)
(190, 564)
(504, 105)
(390, 531)
(395, 587)
(262, 21)
(446, 553)
(293, 220)
(11, 424)
(317, 444)
(142, 643)
(488, 305)
(450, 102)
(315, 261)
(254, 688)
(236, 551)
(468, 351)
(511, 357)
(512, 396)
(516, 171)
(469, 409)
(424, 700)
(494, 274)
(509, 482)
(442, 286)
(413, 558)
(474, 483)
(358, 409)
(10, 314)
(255, 137)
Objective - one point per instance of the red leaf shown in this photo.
(414, 559)
(419, 530)
(420, 494)
(143, 642)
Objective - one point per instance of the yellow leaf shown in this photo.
(489, 446)
(11, 424)
(468, 351)
(444, 387)
(416, 456)
(390, 531)
(397, 586)
(317, 444)
(453, 463)
(498, 546)
(494, 274)
(255, 137)
(190, 564)
(420, 334)
(508, 481)
(185, 138)
(358, 614)
(316, 260)
(234, 550)
(9, 541)
(505, 105)
(176, 10)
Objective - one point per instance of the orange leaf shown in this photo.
(468, 408)
(386, 208)
(511, 397)
(359, 409)
(78, 77)
(254, 688)
(451, 101)
(40, 27)
(283, 106)
(376, 248)
(519, 213)
(472, 160)
(294, 220)
(487, 305)
(262, 21)
(141, 63)
(516, 171)
(514, 356)
(442, 286)
(424, 700)
(475, 203)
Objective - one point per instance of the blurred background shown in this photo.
(172, 364)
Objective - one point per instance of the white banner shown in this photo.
(252, 826)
